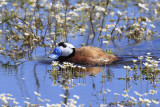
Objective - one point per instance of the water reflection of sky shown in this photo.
(32, 74)
(37, 78)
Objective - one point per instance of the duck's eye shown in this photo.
(55, 52)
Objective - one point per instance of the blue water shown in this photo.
(32, 73)
(22, 80)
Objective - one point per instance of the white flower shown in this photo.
(82, 30)
(146, 64)
(4, 3)
(140, 57)
(116, 94)
(125, 95)
(155, 102)
(72, 13)
(99, 8)
(54, 63)
(127, 67)
(27, 34)
(152, 25)
(9, 94)
(68, 18)
(36, 93)
(104, 92)
(104, 30)
(62, 95)
(27, 98)
(15, 102)
(132, 98)
(144, 6)
(147, 100)
(47, 100)
(148, 53)
(119, 13)
(40, 99)
(83, 68)
(58, 5)
(140, 95)
(153, 91)
(76, 96)
(155, 11)
(119, 30)
(28, 103)
(134, 60)
(144, 23)
(136, 24)
(98, 14)
(108, 90)
(119, 105)
(148, 20)
(103, 105)
(112, 13)
(140, 99)
(105, 42)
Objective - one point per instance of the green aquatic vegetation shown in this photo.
(67, 72)
(127, 99)
(149, 69)
(150, 73)
(109, 52)
(25, 24)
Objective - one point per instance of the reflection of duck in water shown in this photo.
(86, 55)
(91, 71)
(70, 74)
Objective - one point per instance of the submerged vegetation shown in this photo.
(26, 25)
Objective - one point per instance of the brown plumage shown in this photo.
(93, 56)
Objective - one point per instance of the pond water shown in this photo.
(33, 75)
(29, 77)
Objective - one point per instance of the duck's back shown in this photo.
(89, 55)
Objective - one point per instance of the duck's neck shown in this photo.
(63, 58)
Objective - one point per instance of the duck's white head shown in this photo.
(62, 50)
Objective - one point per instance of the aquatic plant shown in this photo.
(25, 29)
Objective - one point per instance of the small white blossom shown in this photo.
(152, 25)
(76, 96)
(144, 6)
(155, 102)
(105, 42)
(140, 95)
(36, 93)
(119, 13)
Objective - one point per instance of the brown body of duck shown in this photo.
(87, 55)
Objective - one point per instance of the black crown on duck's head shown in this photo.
(64, 45)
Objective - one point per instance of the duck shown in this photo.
(86, 55)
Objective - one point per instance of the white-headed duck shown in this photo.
(87, 55)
